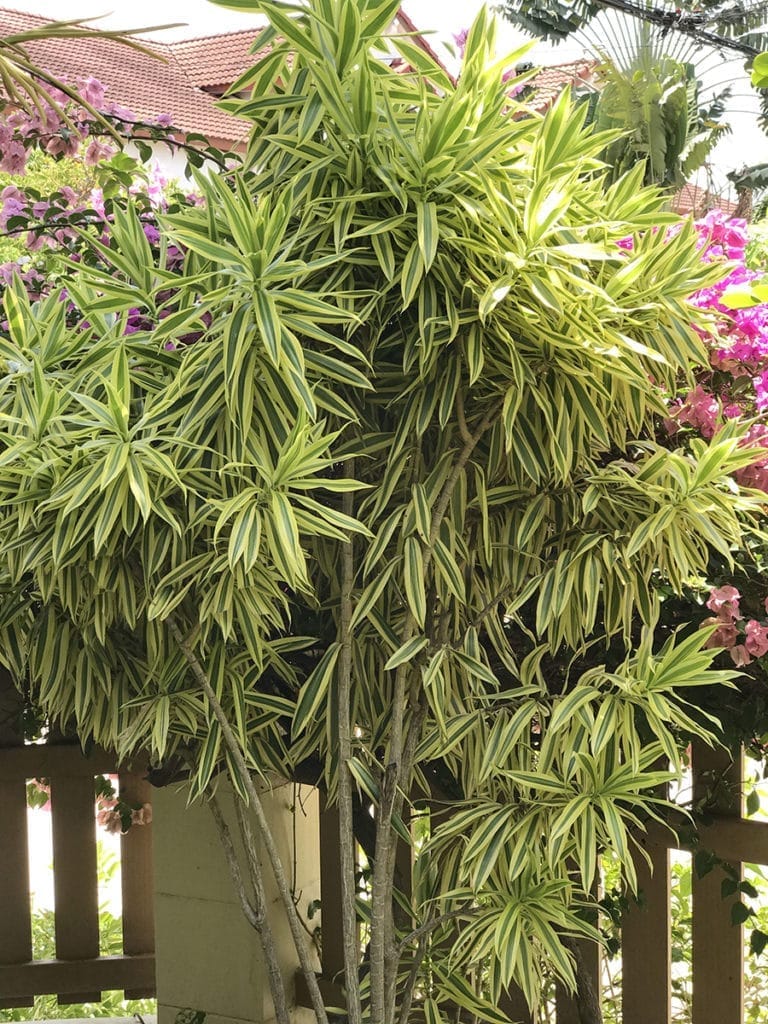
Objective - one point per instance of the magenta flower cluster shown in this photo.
(60, 127)
(736, 384)
(744, 641)
(64, 126)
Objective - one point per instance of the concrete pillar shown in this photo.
(208, 956)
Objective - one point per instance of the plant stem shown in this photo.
(410, 984)
(276, 987)
(346, 813)
(435, 922)
(255, 912)
(265, 832)
(396, 776)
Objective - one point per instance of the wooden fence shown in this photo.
(79, 973)
(717, 945)
(646, 989)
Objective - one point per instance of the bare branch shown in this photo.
(265, 832)
(398, 769)
(346, 812)
(254, 916)
(276, 986)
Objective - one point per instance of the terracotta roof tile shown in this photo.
(146, 86)
(549, 82)
(215, 60)
(698, 201)
(219, 60)
(175, 84)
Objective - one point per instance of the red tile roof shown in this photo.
(549, 82)
(406, 24)
(698, 201)
(146, 86)
(174, 84)
(212, 61)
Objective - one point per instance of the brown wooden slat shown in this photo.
(11, 705)
(15, 922)
(718, 996)
(21, 1002)
(736, 839)
(137, 879)
(717, 955)
(645, 945)
(40, 759)
(713, 764)
(15, 931)
(74, 868)
(731, 839)
(70, 977)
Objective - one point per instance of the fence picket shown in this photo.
(137, 879)
(718, 960)
(645, 944)
(16, 933)
(75, 884)
(79, 973)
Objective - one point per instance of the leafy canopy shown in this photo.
(385, 459)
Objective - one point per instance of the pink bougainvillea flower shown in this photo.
(724, 602)
(701, 410)
(142, 815)
(97, 202)
(14, 159)
(460, 38)
(60, 146)
(740, 655)
(92, 91)
(724, 636)
(98, 151)
(756, 640)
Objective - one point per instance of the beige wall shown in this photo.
(208, 956)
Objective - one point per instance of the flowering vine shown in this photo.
(113, 813)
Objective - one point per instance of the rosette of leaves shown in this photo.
(375, 482)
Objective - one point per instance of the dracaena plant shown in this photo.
(378, 475)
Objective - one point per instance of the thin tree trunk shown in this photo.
(397, 773)
(265, 832)
(587, 1000)
(255, 912)
(346, 809)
